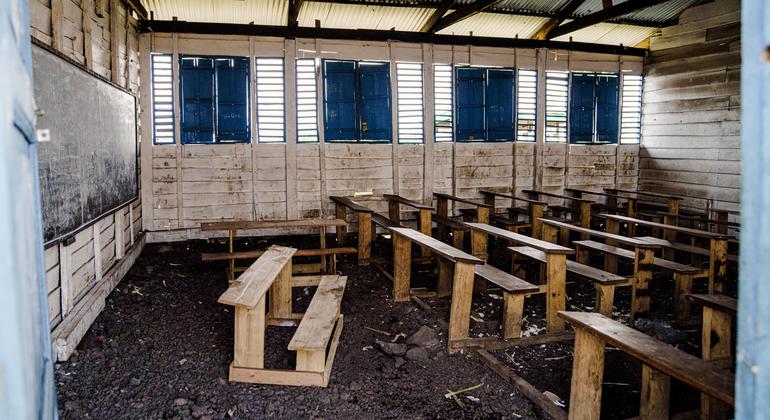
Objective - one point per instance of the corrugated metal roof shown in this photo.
(261, 12)
(532, 6)
(347, 16)
(659, 13)
(497, 25)
(610, 33)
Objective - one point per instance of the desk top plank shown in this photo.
(687, 231)
(460, 200)
(435, 245)
(252, 285)
(621, 239)
(406, 201)
(349, 203)
(566, 197)
(317, 325)
(538, 244)
(512, 197)
(646, 193)
(701, 375)
(716, 301)
(272, 224)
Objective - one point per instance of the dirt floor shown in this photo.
(162, 346)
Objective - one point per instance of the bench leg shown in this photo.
(458, 239)
(445, 267)
(402, 267)
(426, 227)
(682, 288)
(585, 401)
(640, 294)
(583, 255)
(605, 299)
(655, 391)
(513, 312)
(322, 240)
(564, 237)
(280, 294)
(556, 284)
(231, 237)
(249, 340)
(611, 261)
(442, 209)
(340, 212)
(365, 229)
(311, 361)
(535, 214)
(717, 265)
(716, 345)
(462, 292)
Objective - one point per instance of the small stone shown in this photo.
(424, 337)
(355, 386)
(393, 349)
(180, 401)
(418, 354)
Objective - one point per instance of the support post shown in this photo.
(587, 375)
(717, 265)
(656, 386)
(462, 292)
(556, 284)
(365, 237)
(640, 293)
(402, 267)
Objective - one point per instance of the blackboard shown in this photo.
(88, 166)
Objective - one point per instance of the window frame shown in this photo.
(485, 107)
(173, 90)
(597, 77)
(315, 99)
(421, 67)
(442, 133)
(257, 136)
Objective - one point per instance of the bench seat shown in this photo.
(594, 274)
(672, 266)
(496, 218)
(685, 247)
(514, 292)
(317, 325)
(383, 221)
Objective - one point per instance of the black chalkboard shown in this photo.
(89, 166)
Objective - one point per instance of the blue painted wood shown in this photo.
(607, 107)
(500, 100)
(340, 120)
(581, 110)
(196, 79)
(470, 103)
(753, 353)
(26, 369)
(232, 110)
(375, 116)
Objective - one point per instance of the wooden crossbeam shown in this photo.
(440, 11)
(462, 13)
(293, 15)
(602, 16)
(564, 11)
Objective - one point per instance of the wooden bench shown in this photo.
(456, 271)
(644, 253)
(319, 328)
(581, 209)
(604, 282)
(483, 210)
(683, 274)
(232, 227)
(686, 248)
(555, 272)
(611, 202)
(660, 362)
(717, 249)
(424, 214)
(469, 215)
(364, 216)
(514, 292)
(536, 209)
(455, 227)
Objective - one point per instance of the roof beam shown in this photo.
(602, 16)
(294, 6)
(168, 26)
(564, 11)
(461, 14)
(440, 11)
(136, 6)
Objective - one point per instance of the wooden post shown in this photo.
(231, 235)
(402, 267)
(721, 216)
(682, 288)
(341, 212)
(280, 294)
(311, 361)
(716, 346)
(442, 209)
(477, 239)
(536, 211)
(717, 265)
(426, 227)
(556, 284)
(605, 299)
(445, 270)
(458, 239)
(550, 233)
(462, 292)
(670, 236)
(482, 216)
(655, 391)
(513, 311)
(394, 211)
(585, 218)
(585, 401)
(322, 240)
(611, 261)
(640, 293)
(365, 237)
(631, 206)
(249, 346)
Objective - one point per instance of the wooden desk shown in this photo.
(581, 205)
(612, 200)
(442, 209)
(536, 208)
(425, 224)
(364, 216)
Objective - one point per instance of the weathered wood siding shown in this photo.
(691, 126)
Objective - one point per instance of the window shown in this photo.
(410, 107)
(307, 101)
(214, 99)
(162, 99)
(526, 105)
(442, 95)
(270, 100)
(485, 104)
(594, 108)
(556, 88)
(631, 111)
(357, 101)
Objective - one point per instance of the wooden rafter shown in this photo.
(294, 6)
(564, 12)
(440, 11)
(462, 13)
(602, 16)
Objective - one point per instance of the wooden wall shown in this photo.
(691, 127)
(101, 36)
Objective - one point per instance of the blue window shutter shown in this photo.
(374, 102)
(607, 93)
(470, 104)
(581, 116)
(196, 75)
(499, 104)
(232, 99)
(340, 101)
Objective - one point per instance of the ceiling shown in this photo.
(504, 19)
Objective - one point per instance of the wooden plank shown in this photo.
(405, 201)
(435, 245)
(539, 244)
(249, 335)
(254, 283)
(583, 270)
(679, 229)
(587, 376)
(686, 368)
(272, 224)
(462, 293)
(458, 199)
(621, 239)
(347, 202)
(315, 329)
(716, 301)
(508, 282)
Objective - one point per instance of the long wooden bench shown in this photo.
(604, 282)
(689, 249)
(683, 274)
(424, 214)
(644, 253)
(457, 228)
(483, 210)
(514, 292)
(364, 216)
(536, 209)
(660, 362)
(555, 272)
(581, 207)
(318, 329)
